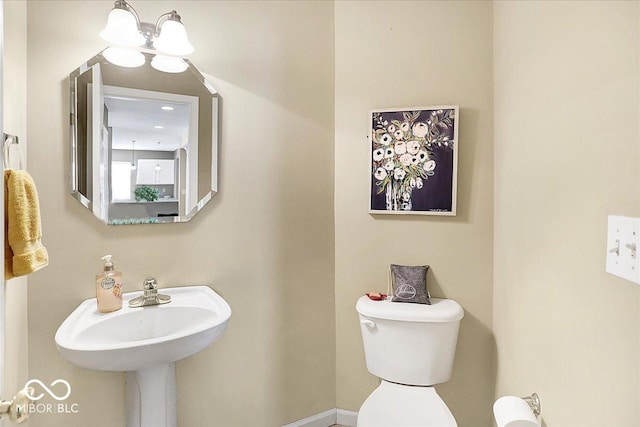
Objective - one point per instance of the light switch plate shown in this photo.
(622, 247)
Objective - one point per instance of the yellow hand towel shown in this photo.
(24, 252)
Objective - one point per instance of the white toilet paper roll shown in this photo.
(512, 411)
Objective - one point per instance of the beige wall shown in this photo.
(265, 242)
(566, 156)
(14, 87)
(401, 54)
(563, 327)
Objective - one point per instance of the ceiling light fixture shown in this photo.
(158, 127)
(128, 36)
(167, 108)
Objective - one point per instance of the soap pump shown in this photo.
(109, 287)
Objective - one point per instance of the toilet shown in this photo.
(411, 348)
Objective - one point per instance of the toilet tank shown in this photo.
(408, 343)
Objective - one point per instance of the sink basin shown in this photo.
(145, 341)
(133, 338)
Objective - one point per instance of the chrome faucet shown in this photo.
(150, 295)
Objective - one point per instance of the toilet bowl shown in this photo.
(397, 405)
(411, 348)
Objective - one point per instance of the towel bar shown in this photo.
(10, 140)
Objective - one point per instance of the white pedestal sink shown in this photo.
(145, 342)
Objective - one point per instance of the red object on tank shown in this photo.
(376, 296)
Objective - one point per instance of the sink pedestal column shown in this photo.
(150, 397)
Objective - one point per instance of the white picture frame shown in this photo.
(413, 157)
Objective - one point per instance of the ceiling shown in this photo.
(134, 119)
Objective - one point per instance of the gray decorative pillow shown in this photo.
(409, 283)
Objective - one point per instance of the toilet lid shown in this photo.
(440, 310)
(404, 406)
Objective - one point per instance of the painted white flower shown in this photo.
(388, 153)
(386, 122)
(420, 130)
(415, 160)
(412, 182)
(386, 139)
(389, 165)
(391, 128)
(429, 165)
(399, 174)
(405, 159)
(400, 147)
(413, 147)
(419, 183)
(399, 135)
(422, 155)
(406, 197)
(377, 154)
(380, 174)
(404, 126)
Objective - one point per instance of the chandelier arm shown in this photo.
(173, 15)
(122, 4)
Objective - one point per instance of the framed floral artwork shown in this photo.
(414, 160)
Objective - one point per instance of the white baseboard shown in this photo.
(347, 418)
(327, 419)
(323, 419)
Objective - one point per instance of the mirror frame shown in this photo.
(73, 138)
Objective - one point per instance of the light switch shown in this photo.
(622, 247)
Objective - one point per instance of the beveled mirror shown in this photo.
(143, 142)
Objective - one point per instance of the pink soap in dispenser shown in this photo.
(109, 287)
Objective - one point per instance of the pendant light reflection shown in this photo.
(167, 39)
(133, 158)
(157, 167)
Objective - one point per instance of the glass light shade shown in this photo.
(168, 64)
(124, 57)
(133, 167)
(173, 39)
(122, 29)
(158, 167)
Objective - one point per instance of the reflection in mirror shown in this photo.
(143, 142)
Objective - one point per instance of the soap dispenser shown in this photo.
(109, 287)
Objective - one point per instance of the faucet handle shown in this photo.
(150, 283)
